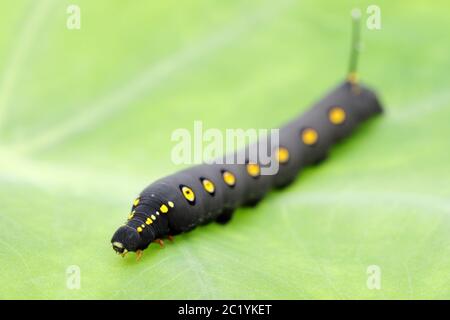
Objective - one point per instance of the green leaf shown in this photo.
(85, 123)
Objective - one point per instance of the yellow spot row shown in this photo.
(309, 136)
(336, 115)
(163, 208)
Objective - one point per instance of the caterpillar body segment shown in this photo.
(211, 192)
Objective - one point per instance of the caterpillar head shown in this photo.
(125, 239)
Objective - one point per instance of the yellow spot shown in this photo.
(143, 225)
(188, 193)
(153, 217)
(208, 186)
(282, 155)
(171, 204)
(253, 169)
(136, 202)
(148, 221)
(139, 229)
(336, 115)
(164, 208)
(229, 178)
(309, 136)
(131, 215)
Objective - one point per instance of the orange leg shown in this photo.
(160, 241)
(139, 254)
(170, 238)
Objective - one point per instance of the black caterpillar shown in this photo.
(211, 192)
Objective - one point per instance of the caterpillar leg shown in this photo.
(139, 254)
(160, 242)
(225, 217)
(171, 238)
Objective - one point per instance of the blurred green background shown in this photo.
(85, 123)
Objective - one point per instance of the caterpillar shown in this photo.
(212, 192)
